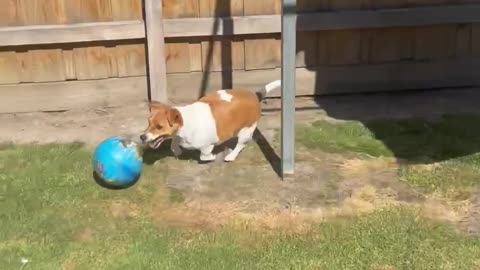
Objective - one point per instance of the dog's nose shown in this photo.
(143, 137)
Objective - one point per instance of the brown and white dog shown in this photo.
(210, 121)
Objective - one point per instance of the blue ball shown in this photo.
(117, 162)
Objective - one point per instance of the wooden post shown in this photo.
(157, 70)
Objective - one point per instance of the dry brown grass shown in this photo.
(359, 186)
(123, 209)
(360, 168)
(69, 264)
(205, 214)
(382, 267)
(211, 215)
(85, 235)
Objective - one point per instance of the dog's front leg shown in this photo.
(175, 147)
(206, 153)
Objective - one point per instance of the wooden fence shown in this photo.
(75, 54)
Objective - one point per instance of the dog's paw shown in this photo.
(209, 157)
(230, 158)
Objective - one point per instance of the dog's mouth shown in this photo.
(155, 144)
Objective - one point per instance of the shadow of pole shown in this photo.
(222, 9)
(268, 152)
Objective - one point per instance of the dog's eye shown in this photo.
(158, 126)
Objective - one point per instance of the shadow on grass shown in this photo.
(268, 152)
(424, 135)
(446, 148)
(420, 141)
(101, 182)
(150, 156)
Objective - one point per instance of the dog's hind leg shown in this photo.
(244, 136)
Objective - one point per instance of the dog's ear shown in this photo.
(174, 117)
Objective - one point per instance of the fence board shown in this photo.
(177, 57)
(25, 62)
(419, 3)
(307, 42)
(378, 4)
(306, 49)
(180, 8)
(81, 95)
(69, 64)
(264, 7)
(47, 65)
(322, 48)
(221, 8)
(74, 12)
(125, 10)
(262, 52)
(8, 13)
(28, 12)
(307, 6)
(346, 46)
(81, 32)
(9, 68)
(348, 4)
(463, 40)
(37, 12)
(178, 53)
(225, 55)
(410, 17)
(95, 10)
(476, 39)
(195, 51)
(435, 42)
(91, 63)
(391, 44)
(130, 60)
(219, 54)
(344, 79)
(113, 61)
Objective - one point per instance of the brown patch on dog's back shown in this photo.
(231, 116)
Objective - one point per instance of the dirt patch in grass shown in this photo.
(383, 267)
(471, 218)
(123, 209)
(327, 186)
(86, 235)
(69, 264)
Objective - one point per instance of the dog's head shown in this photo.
(163, 123)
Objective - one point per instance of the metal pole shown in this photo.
(289, 34)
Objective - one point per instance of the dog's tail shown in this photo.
(262, 93)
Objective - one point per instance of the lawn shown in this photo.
(54, 216)
(440, 156)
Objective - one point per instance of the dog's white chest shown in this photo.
(199, 127)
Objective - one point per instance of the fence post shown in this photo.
(157, 70)
(289, 35)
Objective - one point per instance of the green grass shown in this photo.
(455, 179)
(48, 199)
(452, 142)
(341, 137)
